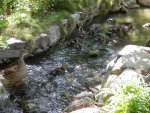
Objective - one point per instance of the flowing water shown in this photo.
(51, 93)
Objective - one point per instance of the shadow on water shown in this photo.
(47, 92)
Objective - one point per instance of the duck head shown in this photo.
(23, 53)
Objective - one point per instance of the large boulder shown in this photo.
(132, 56)
(136, 58)
(14, 45)
(145, 3)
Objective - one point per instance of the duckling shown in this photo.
(16, 73)
(59, 70)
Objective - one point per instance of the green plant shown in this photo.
(106, 6)
(3, 25)
(7, 6)
(128, 98)
(3, 42)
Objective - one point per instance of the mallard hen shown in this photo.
(15, 74)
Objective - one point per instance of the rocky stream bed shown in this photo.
(77, 65)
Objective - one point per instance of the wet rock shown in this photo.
(93, 53)
(96, 28)
(148, 44)
(53, 33)
(90, 81)
(145, 3)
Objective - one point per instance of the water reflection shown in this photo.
(137, 17)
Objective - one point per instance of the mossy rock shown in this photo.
(148, 44)
(94, 53)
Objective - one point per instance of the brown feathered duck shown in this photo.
(59, 70)
(16, 73)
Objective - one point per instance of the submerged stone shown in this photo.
(93, 53)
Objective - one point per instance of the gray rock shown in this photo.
(128, 76)
(6, 54)
(145, 3)
(14, 46)
(76, 18)
(1, 61)
(132, 56)
(42, 42)
(53, 34)
(79, 103)
(96, 28)
(38, 51)
(16, 43)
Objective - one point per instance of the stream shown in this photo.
(48, 93)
